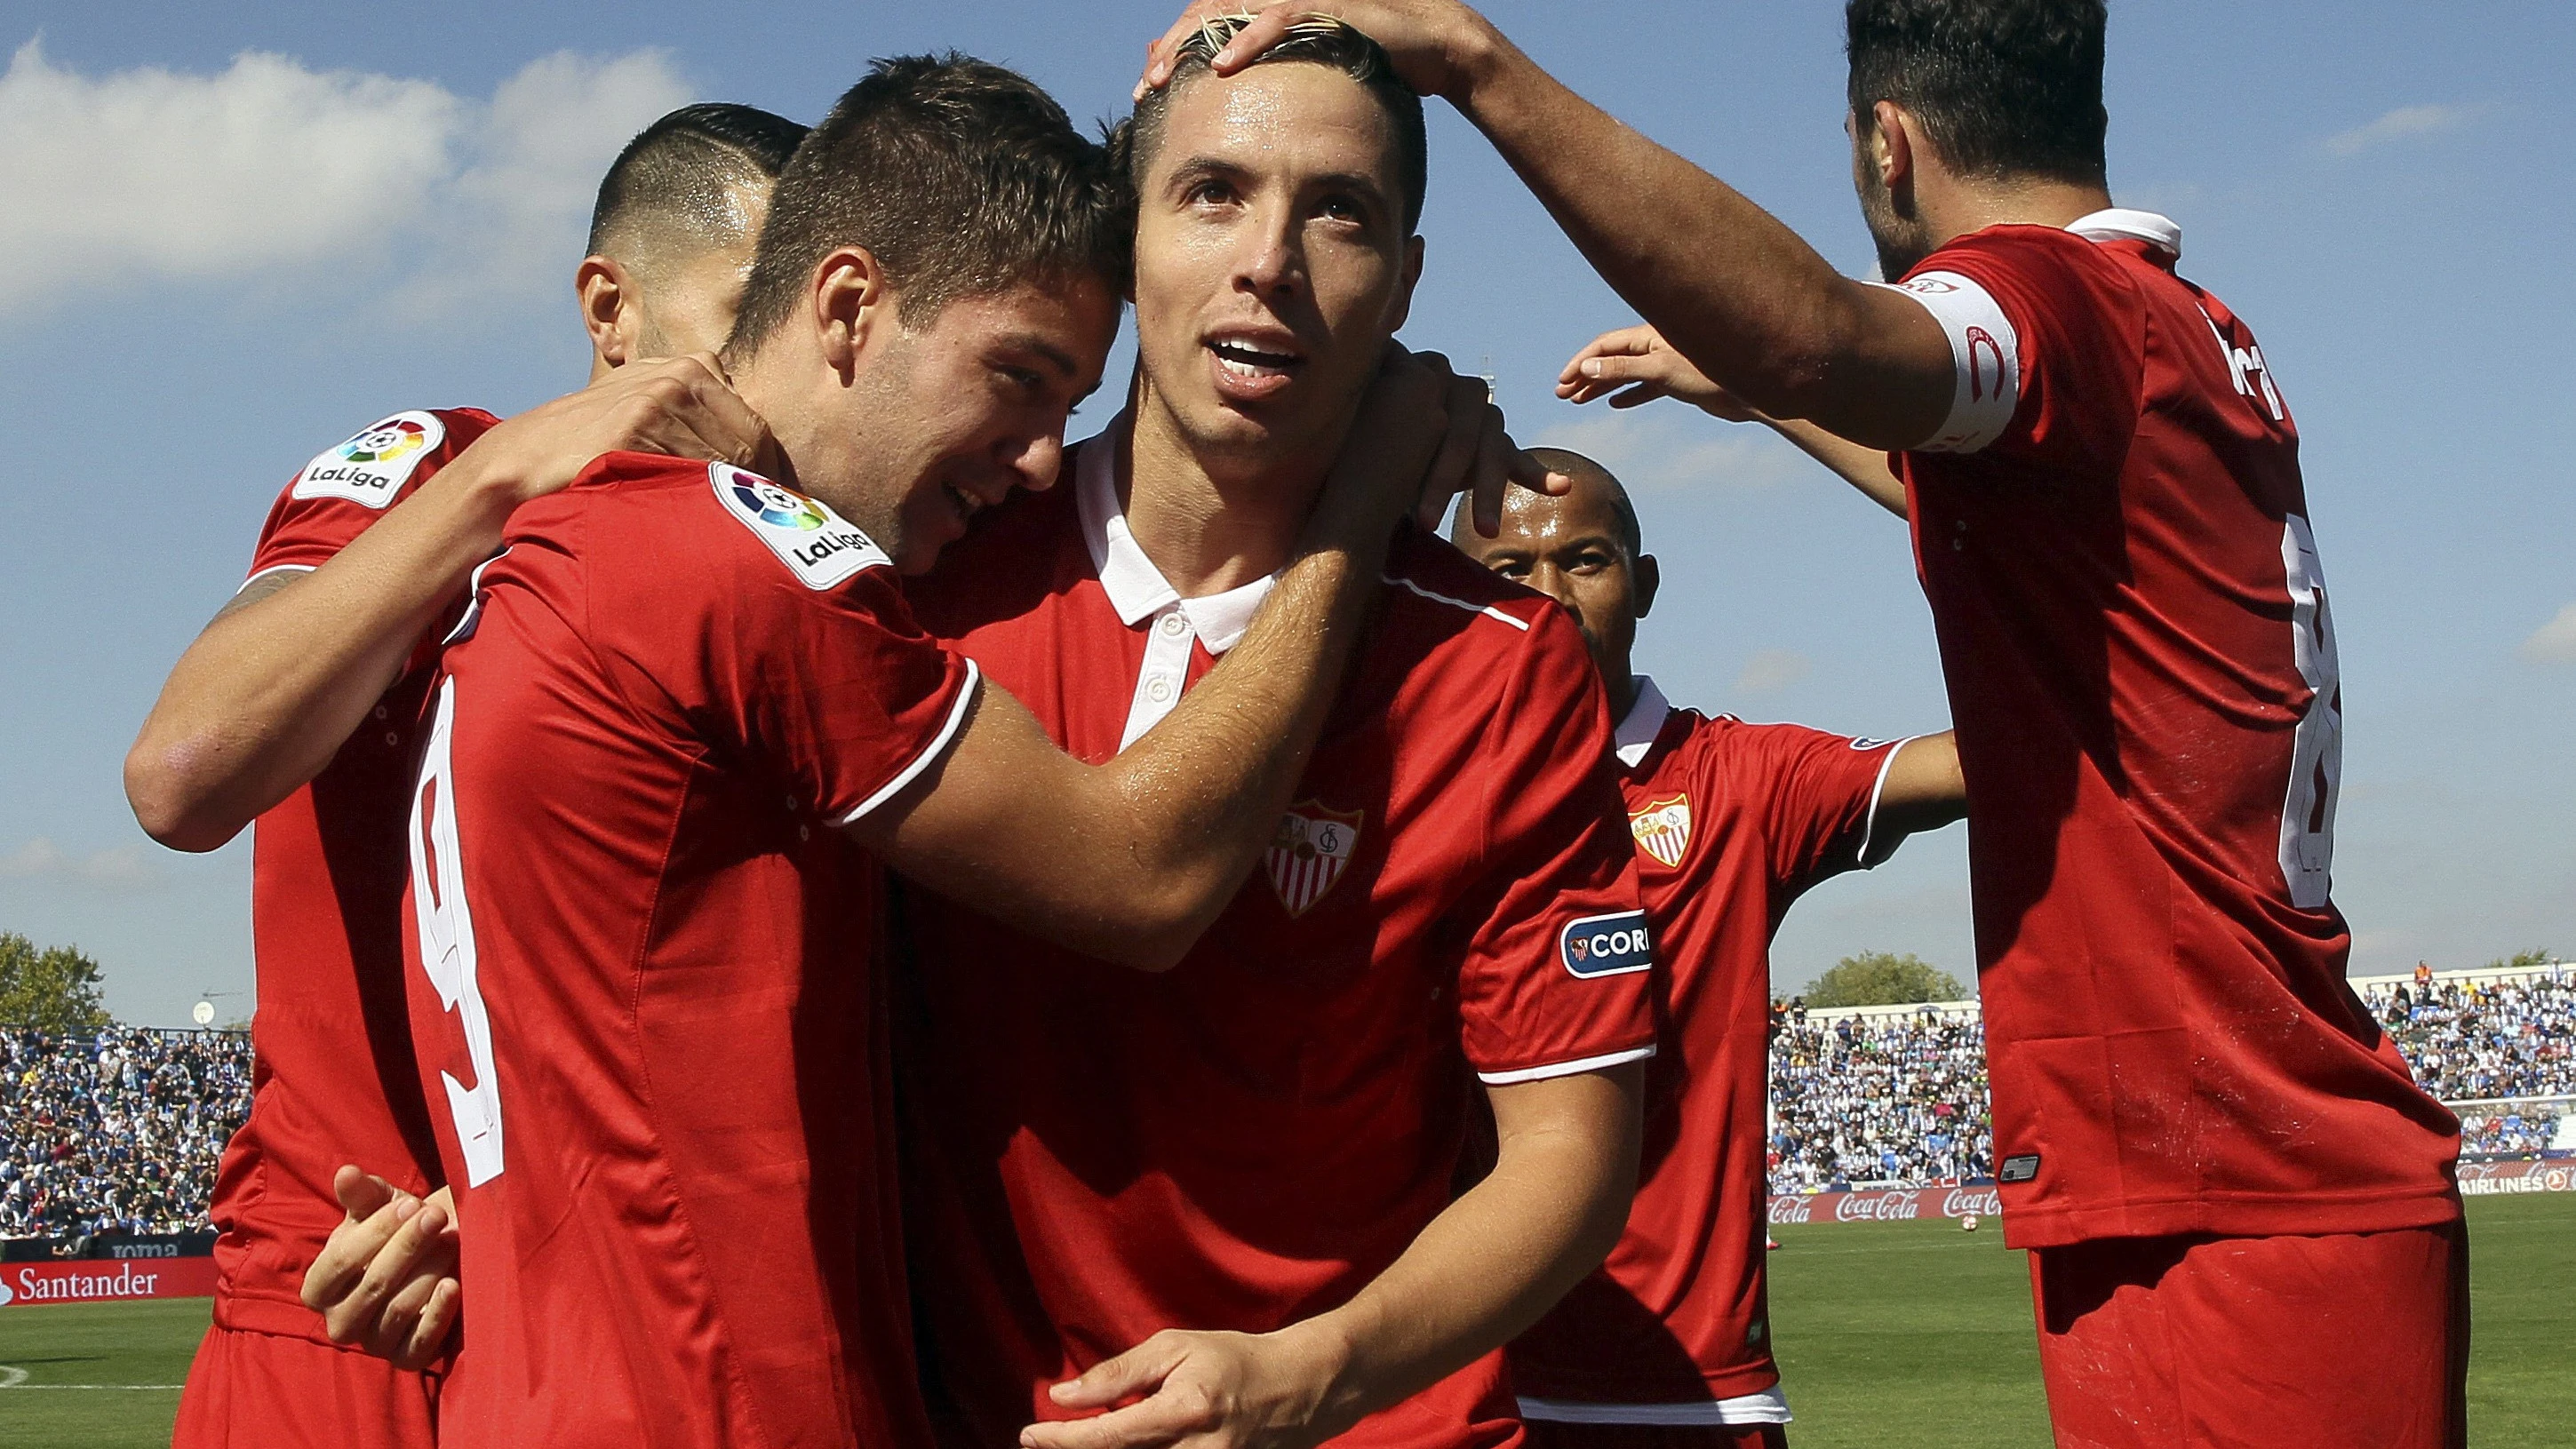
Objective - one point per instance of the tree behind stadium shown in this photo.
(53, 989)
(1882, 978)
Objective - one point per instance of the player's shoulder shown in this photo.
(1448, 602)
(384, 460)
(673, 526)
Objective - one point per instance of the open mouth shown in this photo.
(966, 504)
(1246, 361)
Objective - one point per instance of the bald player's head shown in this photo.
(672, 235)
(1582, 549)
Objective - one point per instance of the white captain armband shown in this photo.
(1987, 352)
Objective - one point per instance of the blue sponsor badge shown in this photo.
(1607, 945)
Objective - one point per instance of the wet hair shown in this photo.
(961, 177)
(675, 188)
(1317, 40)
(2003, 87)
(1462, 526)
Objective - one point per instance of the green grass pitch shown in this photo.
(1889, 1333)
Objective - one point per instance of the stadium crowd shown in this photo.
(2477, 1040)
(1881, 1099)
(117, 1131)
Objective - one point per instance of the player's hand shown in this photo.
(1432, 42)
(681, 407)
(1635, 365)
(1477, 457)
(385, 1280)
(1204, 1391)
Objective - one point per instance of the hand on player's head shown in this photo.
(1634, 366)
(1477, 456)
(679, 406)
(385, 1279)
(1427, 39)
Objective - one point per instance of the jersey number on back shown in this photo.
(2316, 753)
(447, 946)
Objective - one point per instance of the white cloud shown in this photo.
(2396, 125)
(1772, 669)
(1667, 447)
(148, 175)
(40, 859)
(2555, 641)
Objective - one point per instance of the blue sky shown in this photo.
(212, 267)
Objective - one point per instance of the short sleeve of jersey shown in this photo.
(1815, 796)
(808, 663)
(2046, 347)
(1557, 976)
(334, 498)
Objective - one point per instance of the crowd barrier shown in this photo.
(1906, 1204)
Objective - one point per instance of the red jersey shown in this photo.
(642, 965)
(1733, 822)
(333, 1079)
(2113, 535)
(1095, 1154)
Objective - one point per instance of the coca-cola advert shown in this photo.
(1886, 1205)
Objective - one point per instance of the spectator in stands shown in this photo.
(117, 1132)
(2471, 1040)
(1880, 1100)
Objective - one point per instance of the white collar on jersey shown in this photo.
(1644, 722)
(2118, 223)
(1136, 588)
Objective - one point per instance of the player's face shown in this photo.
(1272, 263)
(947, 420)
(1569, 549)
(1902, 240)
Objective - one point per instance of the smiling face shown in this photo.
(942, 422)
(1272, 263)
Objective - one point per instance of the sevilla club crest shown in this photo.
(1663, 830)
(1314, 846)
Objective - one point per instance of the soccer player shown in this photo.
(642, 988)
(1669, 1344)
(2244, 1215)
(297, 706)
(1226, 1192)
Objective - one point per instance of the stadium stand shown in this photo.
(1879, 1096)
(2500, 1047)
(118, 1131)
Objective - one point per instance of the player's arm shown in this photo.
(1131, 860)
(270, 690)
(1924, 790)
(1737, 292)
(1484, 1270)
(1635, 365)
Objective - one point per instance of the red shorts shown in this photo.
(274, 1391)
(1551, 1434)
(2348, 1341)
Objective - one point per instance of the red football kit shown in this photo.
(1095, 1154)
(333, 1077)
(1732, 822)
(2112, 532)
(641, 966)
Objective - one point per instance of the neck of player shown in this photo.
(1954, 207)
(1212, 520)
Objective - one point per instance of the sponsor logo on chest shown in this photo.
(1607, 945)
(1307, 857)
(1663, 830)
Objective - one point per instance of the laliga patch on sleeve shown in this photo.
(820, 547)
(1607, 945)
(373, 466)
(2019, 1169)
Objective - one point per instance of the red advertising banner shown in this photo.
(1901, 1204)
(85, 1280)
(2480, 1179)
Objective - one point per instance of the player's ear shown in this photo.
(1648, 576)
(1891, 145)
(852, 301)
(611, 310)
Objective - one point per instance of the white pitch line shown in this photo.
(11, 1376)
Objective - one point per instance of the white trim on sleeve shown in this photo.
(930, 753)
(1869, 825)
(1987, 352)
(1566, 1069)
(1767, 1406)
(276, 569)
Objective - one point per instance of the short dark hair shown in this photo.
(674, 181)
(1317, 40)
(2003, 87)
(961, 177)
